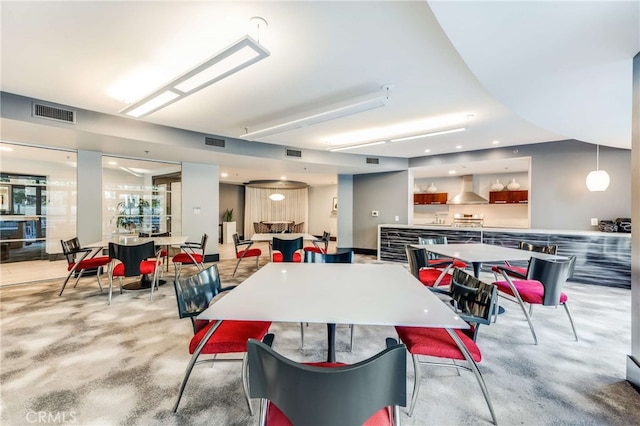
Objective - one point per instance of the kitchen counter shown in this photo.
(602, 258)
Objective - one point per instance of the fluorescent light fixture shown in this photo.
(332, 113)
(362, 145)
(234, 58)
(426, 135)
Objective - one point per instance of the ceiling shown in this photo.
(512, 72)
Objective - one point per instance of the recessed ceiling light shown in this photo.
(283, 178)
(113, 163)
(452, 172)
(427, 150)
(224, 174)
(458, 146)
(495, 142)
(5, 148)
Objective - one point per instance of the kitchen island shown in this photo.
(602, 258)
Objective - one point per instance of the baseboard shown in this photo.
(633, 372)
(211, 258)
(371, 252)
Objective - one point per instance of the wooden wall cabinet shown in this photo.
(509, 197)
(437, 198)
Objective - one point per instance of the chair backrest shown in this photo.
(550, 249)
(552, 274)
(418, 258)
(279, 227)
(261, 228)
(236, 241)
(287, 247)
(342, 257)
(158, 234)
(475, 300)
(70, 248)
(297, 227)
(194, 293)
(203, 242)
(433, 240)
(131, 256)
(317, 396)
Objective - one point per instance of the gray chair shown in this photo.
(542, 286)
(191, 253)
(79, 261)
(342, 257)
(244, 251)
(474, 301)
(320, 245)
(327, 395)
(133, 262)
(286, 250)
(418, 259)
(520, 271)
(193, 296)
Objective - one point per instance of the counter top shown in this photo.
(519, 230)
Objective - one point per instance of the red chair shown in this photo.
(191, 254)
(520, 272)
(193, 295)
(285, 250)
(328, 394)
(321, 245)
(133, 262)
(246, 252)
(71, 248)
(542, 286)
(474, 301)
(164, 250)
(428, 275)
(437, 261)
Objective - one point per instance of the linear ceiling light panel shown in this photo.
(234, 58)
(426, 135)
(362, 145)
(330, 114)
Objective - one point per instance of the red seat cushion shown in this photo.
(456, 263)
(315, 250)
(436, 342)
(531, 291)
(92, 263)
(428, 277)
(516, 269)
(249, 253)
(164, 253)
(184, 258)
(277, 257)
(275, 417)
(230, 337)
(146, 267)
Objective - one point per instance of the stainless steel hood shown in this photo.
(467, 196)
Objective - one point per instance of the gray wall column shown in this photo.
(633, 361)
(200, 203)
(345, 211)
(89, 198)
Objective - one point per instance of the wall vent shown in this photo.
(294, 153)
(220, 143)
(373, 160)
(53, 113)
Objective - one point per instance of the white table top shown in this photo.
(484, 252)
(374, 294)
(282, 236)
(133, 240)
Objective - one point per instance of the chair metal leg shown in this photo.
(110, 287)
(64, 284)
(257, 262)
(245, 380)
(78, 279)
(193, 360)
(573, 327)
(351, 326)
(100, 270)
(301, 335)
(474, 367)
(416, 383)
(524, 308)
(236, 268)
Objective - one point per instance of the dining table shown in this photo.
(333, 293)
(479, 253)
(132, 240)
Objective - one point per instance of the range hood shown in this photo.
(467, 196)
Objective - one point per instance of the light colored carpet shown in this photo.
(75, 360)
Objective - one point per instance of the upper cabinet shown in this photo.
(509, 197)
(437, 198)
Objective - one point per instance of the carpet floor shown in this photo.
(75, 360)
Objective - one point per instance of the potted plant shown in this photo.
(131, 214)
(228, 226)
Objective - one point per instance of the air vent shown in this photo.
(373, 161)
(53, 113)
(220, 143)
(294, 153)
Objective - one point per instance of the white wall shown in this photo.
(321, 216)
(200, 203)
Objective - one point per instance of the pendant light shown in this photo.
(597, 180)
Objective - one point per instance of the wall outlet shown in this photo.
(374, 213)
(594, 221)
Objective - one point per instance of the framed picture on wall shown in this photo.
(5, 198)
(334, 205)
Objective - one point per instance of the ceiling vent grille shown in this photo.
(220, 143)
(373, 161)
(53, 113)
(294, 153)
